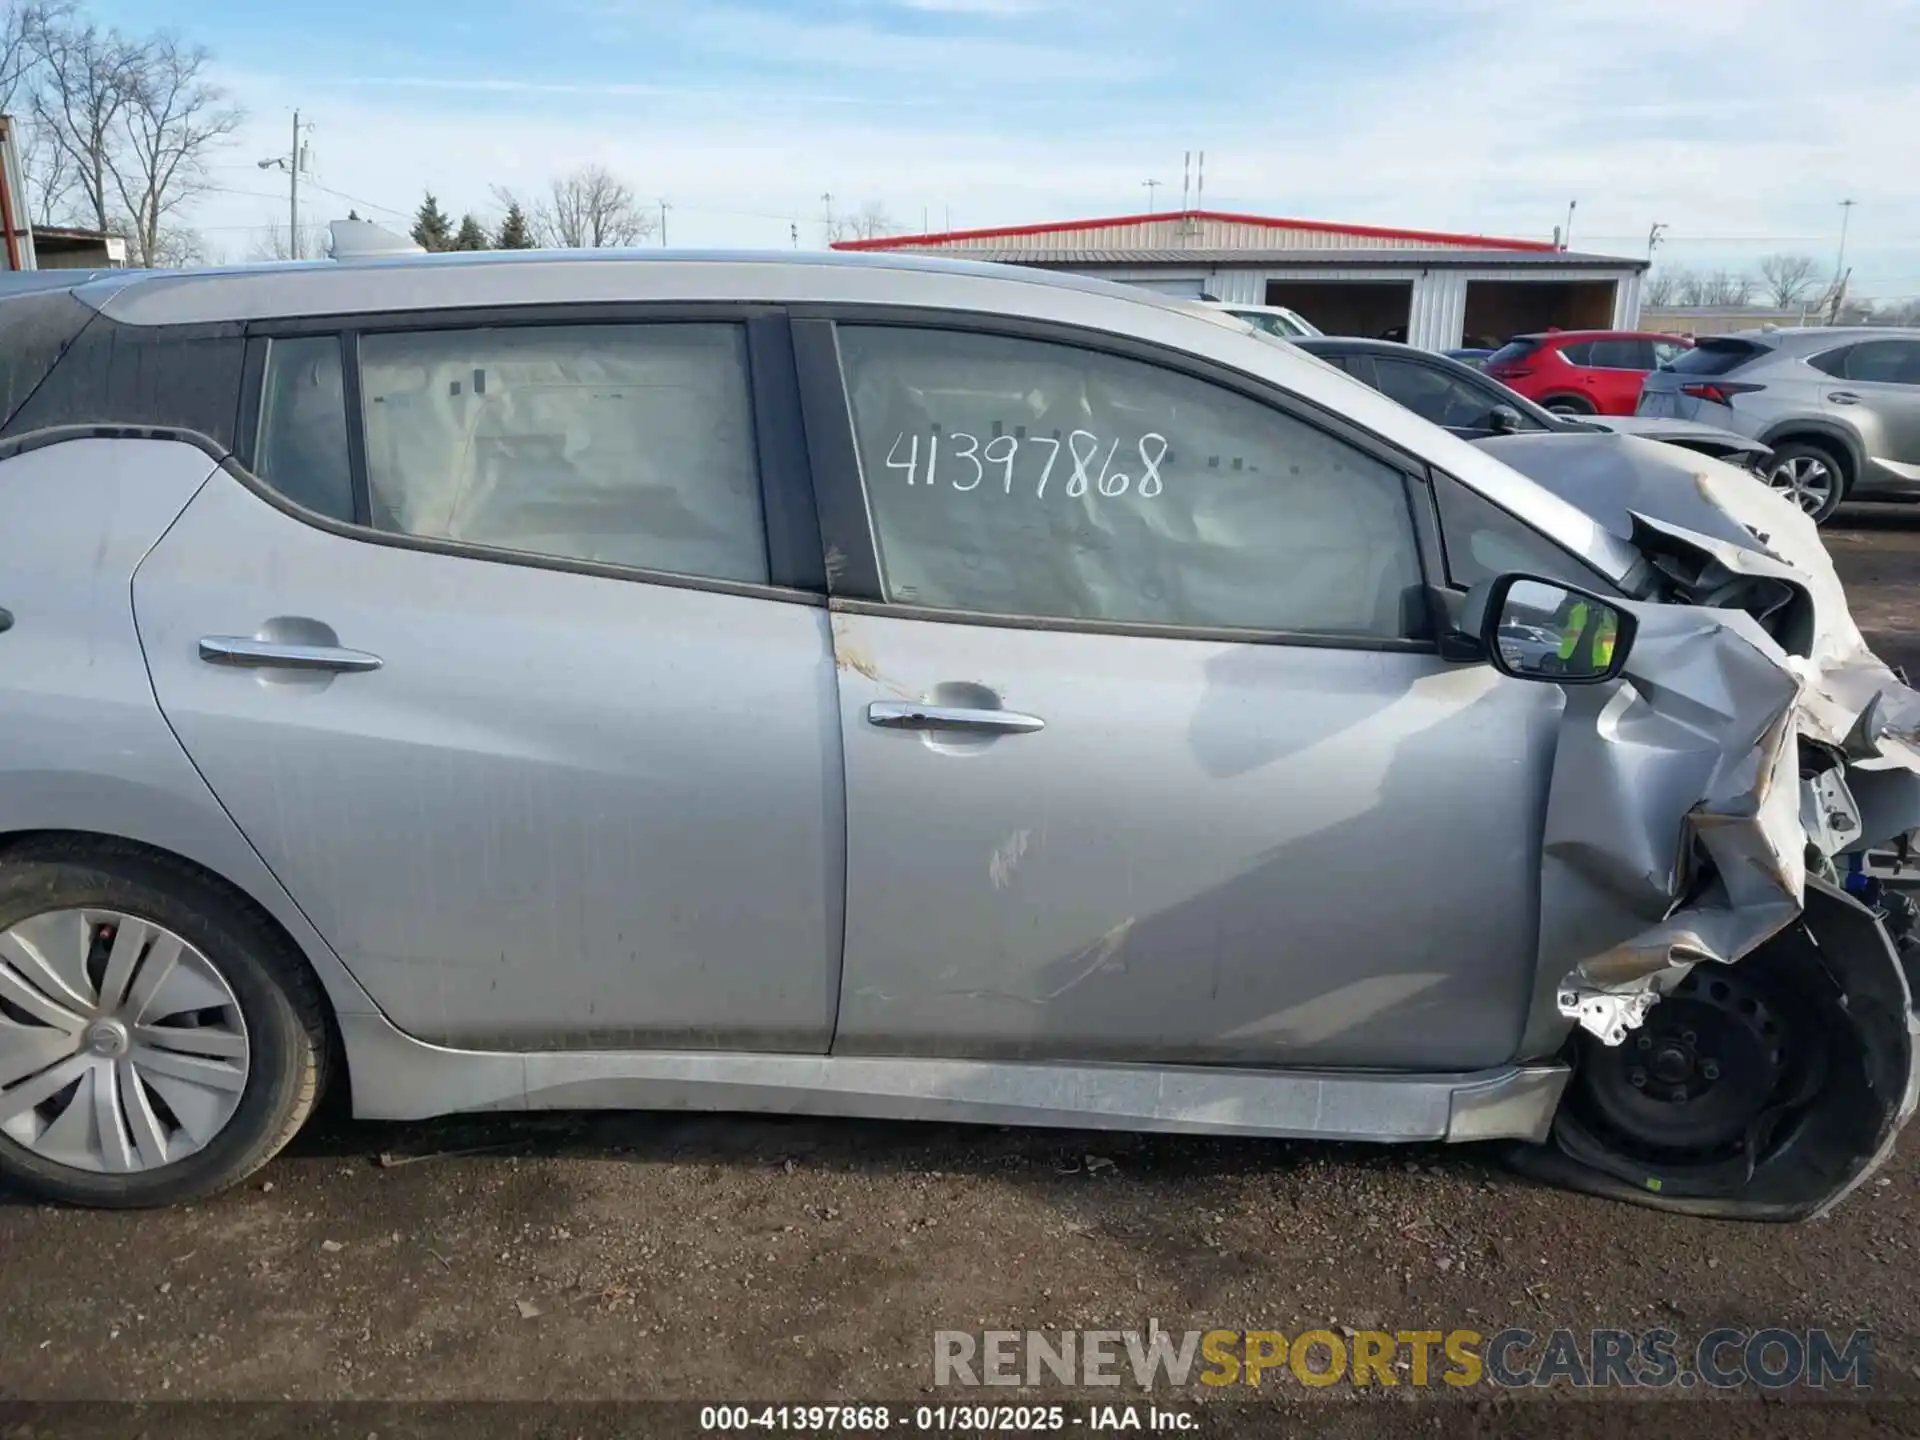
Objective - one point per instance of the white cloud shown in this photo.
(1749, 119)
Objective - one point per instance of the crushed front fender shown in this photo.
(1705, 811)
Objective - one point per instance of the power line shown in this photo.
(356, 199)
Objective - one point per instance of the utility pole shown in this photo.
(1840, 261)
(293, 162)
(1567, 242)
(826, 201)
(664, 208)
(1151, 186)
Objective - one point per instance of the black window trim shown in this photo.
(846, 523)
(795, 559)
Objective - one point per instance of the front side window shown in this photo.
(1028, 478)
(302, 446)
(1433, 394)
(627, 445)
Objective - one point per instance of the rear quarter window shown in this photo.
(35, 331)
(1513, 352)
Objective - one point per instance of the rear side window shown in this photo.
(302, 445)
(626, 445)
(1577, 352)
(1715, 357)
(1620, 355)
(1030, 478)
(1888, 362)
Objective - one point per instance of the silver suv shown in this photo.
(1840, 407)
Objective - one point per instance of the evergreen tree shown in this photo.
(353, 214)
(515, 233)
(431, 228)
(470, 235)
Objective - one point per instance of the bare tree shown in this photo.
(1663, 288)
(132, 124)
(589, 210)
(276, 243)
(869, 223)
(50, 179)
(177, 247)
(174, 116)
(82, 88)
(1721, 287)
(1788, 278)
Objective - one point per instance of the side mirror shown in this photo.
(1504, 420)
(1537, 629)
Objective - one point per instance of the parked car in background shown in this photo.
(1475, 407)
(1583, 372)
(1839, 406)
(523, 681)
(1274, 319)
(1471, 355)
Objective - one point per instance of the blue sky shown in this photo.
(1740, 124)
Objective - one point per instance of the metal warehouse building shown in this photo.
(1427, 287)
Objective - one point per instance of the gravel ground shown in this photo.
(722, 1258)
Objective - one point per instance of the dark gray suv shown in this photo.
(1840, 407)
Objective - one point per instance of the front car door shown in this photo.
(514, 666)
(1149, 754)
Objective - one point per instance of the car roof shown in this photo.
(523, 277)
(1555, 336)
(1821, 336)
(1357, 342)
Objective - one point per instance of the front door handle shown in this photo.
(254, 654)
(1844, 397)
(902, 715)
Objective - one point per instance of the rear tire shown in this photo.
(1571, 405)
(202, 1072)
(1810, 474)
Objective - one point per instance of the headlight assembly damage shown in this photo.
(1745, 1041)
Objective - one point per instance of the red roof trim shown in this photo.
(1325, 227)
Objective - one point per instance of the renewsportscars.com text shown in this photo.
(1510, 1358)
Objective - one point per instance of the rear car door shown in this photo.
(1618, 364)
(1149, 755)
(513, 664)
(1880, 393)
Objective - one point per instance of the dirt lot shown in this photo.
(716, 1259)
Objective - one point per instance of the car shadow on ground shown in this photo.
(1876, 517)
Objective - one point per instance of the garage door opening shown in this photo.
(1498, 310)
(1376, 309)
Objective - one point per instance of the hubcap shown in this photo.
(1806, 478)
(121, 1047)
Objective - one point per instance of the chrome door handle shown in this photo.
(275, 655)
(1844, 397)
(898, 715)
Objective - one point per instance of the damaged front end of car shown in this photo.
(1731, 986)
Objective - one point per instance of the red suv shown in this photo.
(1583, 372)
